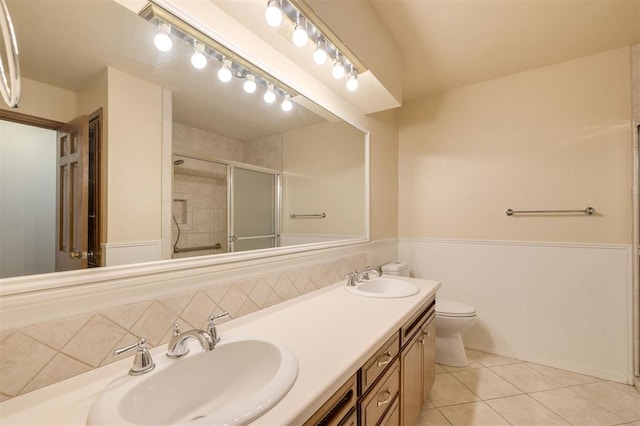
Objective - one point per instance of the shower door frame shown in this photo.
(231, 238)
(230, 165)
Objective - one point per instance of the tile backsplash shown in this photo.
(42, 354)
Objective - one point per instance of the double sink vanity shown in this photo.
(343, 355)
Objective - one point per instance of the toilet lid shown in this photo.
(450, 308)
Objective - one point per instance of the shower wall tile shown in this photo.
(43, 354)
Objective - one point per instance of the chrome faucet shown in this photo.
(208, 338)
(178, 344)
(211, 327)
(364, 275)
(142, 362)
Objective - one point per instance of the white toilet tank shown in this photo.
(396, 268)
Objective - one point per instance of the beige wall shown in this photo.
(383, 175)
(45, 101)
(557, 137)
(134, 169)
(323, 171)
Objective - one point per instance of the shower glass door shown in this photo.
(253, 219)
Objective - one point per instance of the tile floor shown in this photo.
(495, 390)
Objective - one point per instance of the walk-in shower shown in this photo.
(223, 207)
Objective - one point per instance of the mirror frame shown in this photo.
(44, 287)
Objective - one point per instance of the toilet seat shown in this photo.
(451, 309)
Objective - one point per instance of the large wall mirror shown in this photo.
(178, 163)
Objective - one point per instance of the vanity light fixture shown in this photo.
(300, 36)
(224, 73)
(198, 60)
(162, 39)
(273, 14)
(320, 54)
(205, 48)
(287, 105)
(270, 95)
(338, 71)
(308, 26)
(249, 84)
(352, 81)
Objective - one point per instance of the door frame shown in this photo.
(45, 123)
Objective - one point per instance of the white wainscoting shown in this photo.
(129, 253)
(562, 305)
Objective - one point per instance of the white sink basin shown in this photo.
(233, 384)
(384, 287)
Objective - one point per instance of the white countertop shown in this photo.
(331, 331)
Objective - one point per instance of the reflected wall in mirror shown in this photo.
(187, 165)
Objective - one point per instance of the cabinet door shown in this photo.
(412, 380)
(428, 357)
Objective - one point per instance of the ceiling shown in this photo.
(59, 46)
(452, 43)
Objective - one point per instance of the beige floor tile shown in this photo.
(489, 360)
(485, 383)
(563, 377)
(447, 390)
(636, 423)
(629, 389)
(608, 397)
(525, 378)
(473, 414)
(431, 417)
(522, 410)
(440, 369)
(473, 363)
(575, 409)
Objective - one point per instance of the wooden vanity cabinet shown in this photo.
(428, 356)
(379, 385)
(417, 362)
(391, 387)
(340, 409)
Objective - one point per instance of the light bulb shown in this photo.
(273, 14)
(224, 73)
(352, 81)
(287, 105)
(162, 40)
(250, 85)
(269, 95)
(300, 36)
(320, 55)
(198, 60)
(338, 70)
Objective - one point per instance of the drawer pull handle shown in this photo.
(386, 401)
(385, 362)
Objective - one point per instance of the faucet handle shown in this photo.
(142, 362)
(181, 348)
(211, 327)
(351, 278)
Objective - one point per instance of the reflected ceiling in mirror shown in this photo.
(316, 161)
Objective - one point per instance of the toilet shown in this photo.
(452, 318)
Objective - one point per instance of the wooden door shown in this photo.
(72, 198)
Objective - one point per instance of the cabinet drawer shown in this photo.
(384, 357)
(336, 410)
(351, 420)
(413, 325)
(381, 396)
(392, 418)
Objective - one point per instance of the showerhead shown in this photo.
(178, 162)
